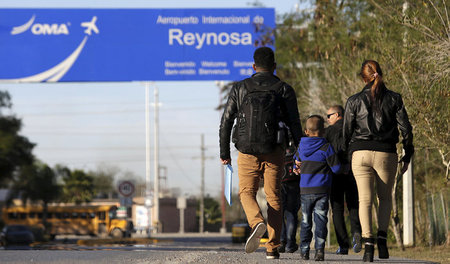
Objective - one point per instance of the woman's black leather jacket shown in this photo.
(365, 128)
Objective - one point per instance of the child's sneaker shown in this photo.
(282, 248)
(320, 255)
(304, 255)
(292, 250)
(342, 251)
(357, 246)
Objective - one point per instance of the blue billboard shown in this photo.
(76, 45)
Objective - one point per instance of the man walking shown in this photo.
(259, 104)
(343, 185)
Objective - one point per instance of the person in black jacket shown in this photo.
(343, 186)
(269, 162)
(290, 196)
(371, 121)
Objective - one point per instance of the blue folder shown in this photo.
(228, 183)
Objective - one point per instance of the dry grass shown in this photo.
(438, 254)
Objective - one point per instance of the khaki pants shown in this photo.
(368, 167)
(251, 169)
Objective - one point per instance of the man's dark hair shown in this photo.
(315, 123)
(338, 109)
(264, 58)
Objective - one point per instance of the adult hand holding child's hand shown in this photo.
(297, 167)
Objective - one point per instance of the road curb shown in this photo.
(120, 241)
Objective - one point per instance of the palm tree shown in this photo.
(78, 186)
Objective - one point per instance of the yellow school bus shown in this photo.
(95, 220)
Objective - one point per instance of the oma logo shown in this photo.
(41, 29)
(47, 29)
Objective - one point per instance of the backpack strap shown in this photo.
(251, 84)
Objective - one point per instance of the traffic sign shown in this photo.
(126, 188)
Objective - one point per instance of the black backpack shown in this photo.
(289, 174)
(255, 131)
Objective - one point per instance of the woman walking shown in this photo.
(371, 121)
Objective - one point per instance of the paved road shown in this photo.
(172, 248)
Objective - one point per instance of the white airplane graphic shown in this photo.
(90, 26)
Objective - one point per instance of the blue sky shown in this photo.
(86, 125)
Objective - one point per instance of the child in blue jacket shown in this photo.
(317, 159)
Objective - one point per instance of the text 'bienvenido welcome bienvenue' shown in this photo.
(199, 40)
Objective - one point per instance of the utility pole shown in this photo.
(203, 158)
(202, 186)
(163, 179)
(156, 166)
(223, 229)
(148, 197)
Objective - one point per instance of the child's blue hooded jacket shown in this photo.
(318, 160)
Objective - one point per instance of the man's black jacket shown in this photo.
(333, 134)
(288, 106)
(364, 129)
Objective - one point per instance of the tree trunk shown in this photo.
(420, 222)
(430, 221)
(444, 212)
(395, 218)
(436, 225)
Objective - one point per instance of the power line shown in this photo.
(100, 103)
(109, 112)
(116, 148)
(94, 133)
(180, 168)
(117, 160)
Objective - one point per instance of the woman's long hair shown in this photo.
(372, 74)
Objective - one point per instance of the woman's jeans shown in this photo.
(316, 204)
(370, 167)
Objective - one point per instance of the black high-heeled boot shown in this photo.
(368, 249)
(383, 252)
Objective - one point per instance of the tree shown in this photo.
(78, 186)
(225, 90)
(213, 214)
(139, 183)
(103, 181)
(43, 186)
(37, 183)
(320, 53)
(15, 150)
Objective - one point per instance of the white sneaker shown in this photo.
(253, 240)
